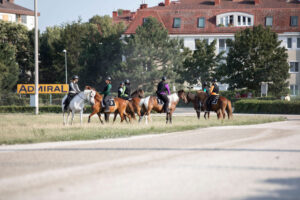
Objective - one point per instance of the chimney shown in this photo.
(167, 2)
(143, 6)
(256, 2)
(217, 2)
(126, 12)
(115, 14)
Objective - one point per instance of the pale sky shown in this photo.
(56, 12)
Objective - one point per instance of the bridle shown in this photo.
(85, 99)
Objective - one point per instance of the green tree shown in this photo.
(150, 53)
(19, 37)
(200, 65)
(255, 56)
(8, 67)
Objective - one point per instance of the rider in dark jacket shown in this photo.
(163, 90)
(214, 92)
(73, 90)
(127, 89)
(106, 93)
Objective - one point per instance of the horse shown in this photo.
(196, 103)
(119, 107)
(134, 104)
(77, 104)
(220, 107)
(150, 103)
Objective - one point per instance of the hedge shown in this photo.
(267, 107)
(42, 109)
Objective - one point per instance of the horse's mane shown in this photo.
(98, 96)
(136, 92)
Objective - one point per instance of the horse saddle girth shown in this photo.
(215, 100)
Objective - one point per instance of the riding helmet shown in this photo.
(127, 81)
(75, 77)
(122, 83)
(108, 78)
(214, 80)
(164, 78)
(205, 83)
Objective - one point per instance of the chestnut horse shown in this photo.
(134, 104)
(120, 106)
(222, 105)
(150, 103)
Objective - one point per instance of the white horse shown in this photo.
(77, 104)
(150, 103)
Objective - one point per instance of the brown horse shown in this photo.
(150, 103)
(194, 99)
(120, 107)
(222, 105)
(134, 104)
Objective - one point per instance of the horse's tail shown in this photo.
(229, 109)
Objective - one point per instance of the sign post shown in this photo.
(36, 58)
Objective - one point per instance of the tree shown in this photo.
(200, 65)
(8, 67)
(255, 56)
(150, 54)
(18, 36)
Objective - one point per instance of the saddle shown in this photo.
(160, 101)
(109, 102)
(215, 100)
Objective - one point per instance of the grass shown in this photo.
(28, 128)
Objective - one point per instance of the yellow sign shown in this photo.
(43, 88)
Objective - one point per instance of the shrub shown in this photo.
(42, 109)
(267, 107)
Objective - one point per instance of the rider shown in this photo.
(127, 89)
(214, 92)
(121, 89)
(163, 90)
(206, 88)
(73, 90)
(106, 93)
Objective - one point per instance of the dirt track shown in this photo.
(246, 162)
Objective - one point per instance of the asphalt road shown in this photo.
(246, 162)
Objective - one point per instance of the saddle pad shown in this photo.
(111, 102)
(159, 101)
(215, 100)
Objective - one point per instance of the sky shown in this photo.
(57, 12)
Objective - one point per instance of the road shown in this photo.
(240, 163)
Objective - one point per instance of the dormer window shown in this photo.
(235, 19)
(176, 23)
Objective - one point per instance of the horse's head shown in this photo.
(182, 96)
(90, 95)
(138, 93)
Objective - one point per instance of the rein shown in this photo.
(84, 99)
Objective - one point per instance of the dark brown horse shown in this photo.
(194, 99)
(150, 103)
(222, 105)
(120, 107)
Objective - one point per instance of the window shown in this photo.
(201, 22)
(176, 23)
(235, 19)
(239, 21)
(24, 19)
(269, 21)
(249, 21)
(294, 90)
(222, 45)
(289, 43)
(298, 42)
(294, 20)
(145, 20)
(294, 66)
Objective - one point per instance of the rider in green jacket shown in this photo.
(106, 93)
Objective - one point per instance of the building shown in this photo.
(218, 20)
(11, 12)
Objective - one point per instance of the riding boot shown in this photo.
(107, 109)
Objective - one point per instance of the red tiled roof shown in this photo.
(190, 10)
(8, 7)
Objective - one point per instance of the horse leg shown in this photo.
(73, 114)
(91, 116)
(115, 116)
(167, 118)
(64, 118)
(81, 116)
(68, 117)
(99, 115)
(198, 114)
